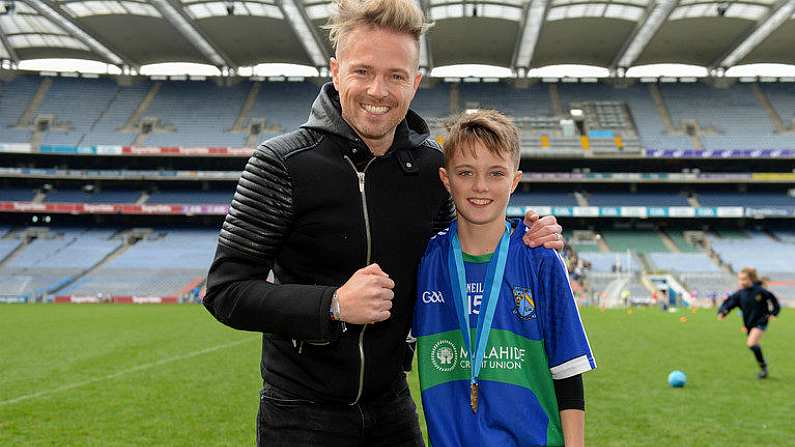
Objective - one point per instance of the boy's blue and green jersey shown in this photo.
(536, 336)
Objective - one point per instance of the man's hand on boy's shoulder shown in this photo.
(542, 231)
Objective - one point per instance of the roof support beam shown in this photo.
(426, 62)
(6, 47)
(779, 14)
(177, 17)
(51, 11)
(655, 17)
(296, 15)
(533, 17)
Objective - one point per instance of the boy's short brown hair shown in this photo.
(400, 16)
(491, 128)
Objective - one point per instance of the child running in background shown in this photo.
(755, 302)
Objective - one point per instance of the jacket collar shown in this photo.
(326, 116)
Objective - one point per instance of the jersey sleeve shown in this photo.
(567, 348)
(776, 307)
(729, 303)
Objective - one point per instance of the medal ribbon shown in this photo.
(493, 282)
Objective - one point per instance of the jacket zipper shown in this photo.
(360, 176)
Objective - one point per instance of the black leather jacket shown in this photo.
(314, 206)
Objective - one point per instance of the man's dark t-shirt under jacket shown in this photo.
(753, 301)
(314, 206)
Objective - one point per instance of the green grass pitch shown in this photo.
(146, 375)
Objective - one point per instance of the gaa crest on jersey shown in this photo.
(524, 307)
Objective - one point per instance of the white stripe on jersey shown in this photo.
(571, 368)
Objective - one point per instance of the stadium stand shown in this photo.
(47, 264)
(17, 194)
(707, 285)
(636, 199)
(782, 98)
(92, 96)
(682, 262)
(202, 113)
(196, 113)
(682, 244)
(543, 197)
(15, 96)
(433, 101)
(191, 197)
(7, 246)
(517, 102)
(786, 236)
(160, 265)
(757, 250)
(611, 261)
(108, 128)
(283, 105)
(106, 196)
(638, 241)
(729, 118)
(767, 199)
(647, 120)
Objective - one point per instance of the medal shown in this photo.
(473, 397)
(492, 285)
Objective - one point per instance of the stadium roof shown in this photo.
(519, 34)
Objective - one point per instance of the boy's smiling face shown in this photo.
(481, 182)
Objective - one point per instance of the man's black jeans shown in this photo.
(285, 420)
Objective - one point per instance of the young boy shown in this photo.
(484, 295)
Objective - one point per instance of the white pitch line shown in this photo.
(121, 373)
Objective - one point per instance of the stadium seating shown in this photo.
(191, 197)
(641, 104)
(782, 97)
(14, 98)
(786, 236)
(160, 265)
(738, 120)
(106, 196)
(17, 194)
(783, 286)
(758, 250)
(681, 243)
(432, 102)
(201, 113)
(543, 198)
(66, 96)
(683, 262)
(7, 246)
(639, 241)
(283, 104)
(47, 264)
(705, 285)
(517, 102)
(609, 261)
(758, 199)
(106, 129)
(647, 199)
(637, 291)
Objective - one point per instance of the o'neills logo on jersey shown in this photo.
(432, 297)
(443, 356)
